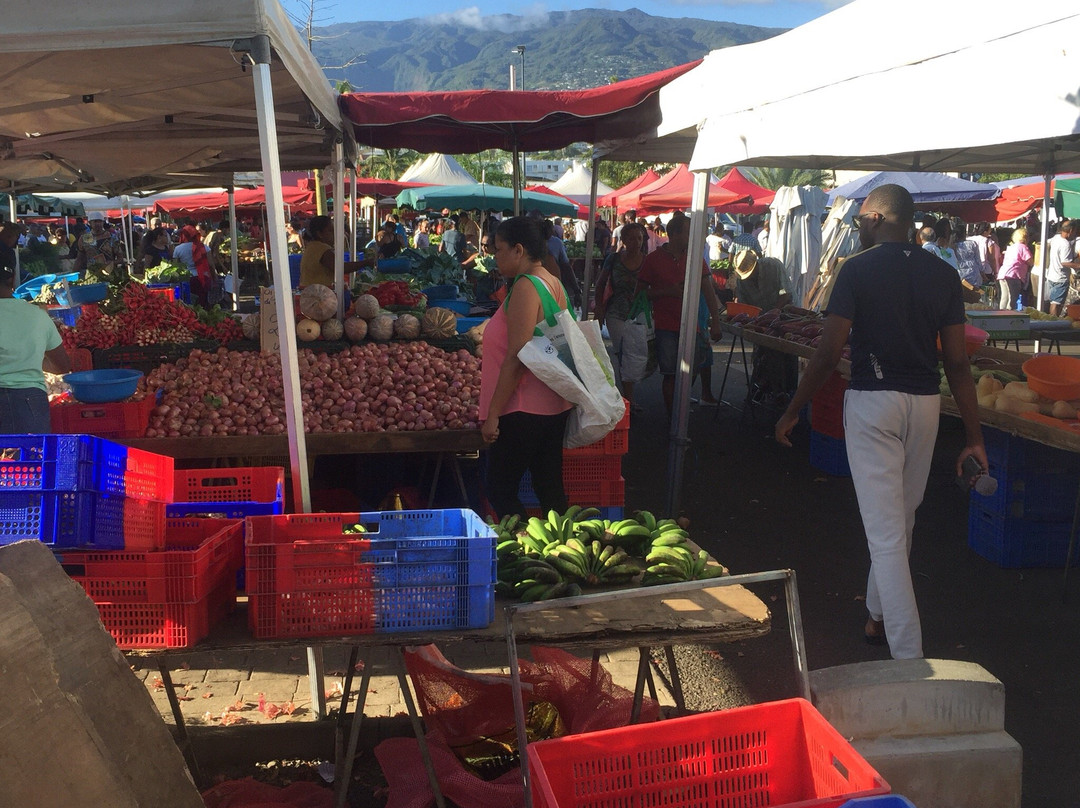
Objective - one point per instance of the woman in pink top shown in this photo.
(1013, 275)
(523, 419)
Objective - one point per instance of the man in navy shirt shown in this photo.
(896, 300)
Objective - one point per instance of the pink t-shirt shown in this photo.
(531, 395)
(1016, 263)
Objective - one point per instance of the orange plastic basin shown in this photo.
(734, 308)
(1056, 377)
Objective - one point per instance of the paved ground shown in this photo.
(758, 506)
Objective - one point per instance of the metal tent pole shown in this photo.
(684, 373)
(339, 227)
(234, 257)
(279, 252)
(590, 239)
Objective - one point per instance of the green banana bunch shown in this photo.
(593, 563)
(668, 565)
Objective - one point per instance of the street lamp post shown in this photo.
(520, 51)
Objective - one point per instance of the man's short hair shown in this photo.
(678, 224)
(1067, 225)
(894, 201)
(927, 234)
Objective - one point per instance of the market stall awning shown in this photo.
(673, 190)
(483, 197)
(926, 187)
(757, 198)
(471, 121)
(112, 98)
(1067, 198)
(198, 205)
(612, 199)
(582, 210)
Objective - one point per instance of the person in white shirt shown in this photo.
(1062, 260)
(763, 236)
(714, 245)
(981, 239)
(421, 239)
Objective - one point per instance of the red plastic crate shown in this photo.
(415, 570)
(615, 442)
(782, 753)
(81, 359)
(167, 625)
(200, 554)
(594, 480)
(234, 493)
(120, 419)
(167, 292)
(144, 524)
(827, 407)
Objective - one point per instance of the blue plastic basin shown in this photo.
(80, 295)
(101, 386)
(31, 288)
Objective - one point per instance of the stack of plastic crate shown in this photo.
(82, 491)
(114, 419)
(828, 449)
(167, 598)
(407, 571)
(592, 475)
(1027, 521)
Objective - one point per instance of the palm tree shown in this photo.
(487, 166)
(773, 178)
(389, 164)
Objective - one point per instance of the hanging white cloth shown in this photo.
(795, 235)
(839, 239)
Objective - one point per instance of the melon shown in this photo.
(439, 323)
(406, 326)
(366, 306)
(308, 330)
(318, 302)
(356, 329)
(381, 328)
(251, 325)
(333, 330)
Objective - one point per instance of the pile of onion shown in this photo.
(396, 387)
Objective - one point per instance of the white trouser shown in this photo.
(890, 444)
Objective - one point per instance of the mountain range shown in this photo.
(563, 49)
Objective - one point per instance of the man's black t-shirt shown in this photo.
(898, 297)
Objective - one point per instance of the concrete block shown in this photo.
(978, 770)
(909, 697)
(81, 728)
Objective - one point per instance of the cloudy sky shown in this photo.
(769, 13)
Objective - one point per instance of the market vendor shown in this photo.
(317, 263)
(206, 287)
(760, 282)
(29, 345)
(98, 249)
(153, 249)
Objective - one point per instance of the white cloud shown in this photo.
(532, 16)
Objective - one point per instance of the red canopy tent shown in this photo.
(201, 205)
(673, 190)
(759, 197)
(612, 199)
(582, 210)
(471, 121)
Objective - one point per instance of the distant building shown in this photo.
(547, 170)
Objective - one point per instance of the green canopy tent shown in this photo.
(482, 197)
(1067, 198)
(48, 205)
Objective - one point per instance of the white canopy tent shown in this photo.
(116, 99)
(438, 169)
(852, 104)
(576, 184)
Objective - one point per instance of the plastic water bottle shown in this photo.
(975, 476)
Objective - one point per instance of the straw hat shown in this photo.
(745, 263)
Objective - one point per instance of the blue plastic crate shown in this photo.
(882, 801)
(181, 291)
(433, 608)
(63, 519)
(68, 315)
(1039, 495)
(462, 307)
(1013, 543)
(221, 510)
(62, 463)
(446, 291)
(829, 454)
(465, 323)
(1020, 454)
(434, 562)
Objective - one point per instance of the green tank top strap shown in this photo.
(547, 301)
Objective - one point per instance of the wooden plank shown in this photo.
(715, 614)
(1015, 425)
(319, 443)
